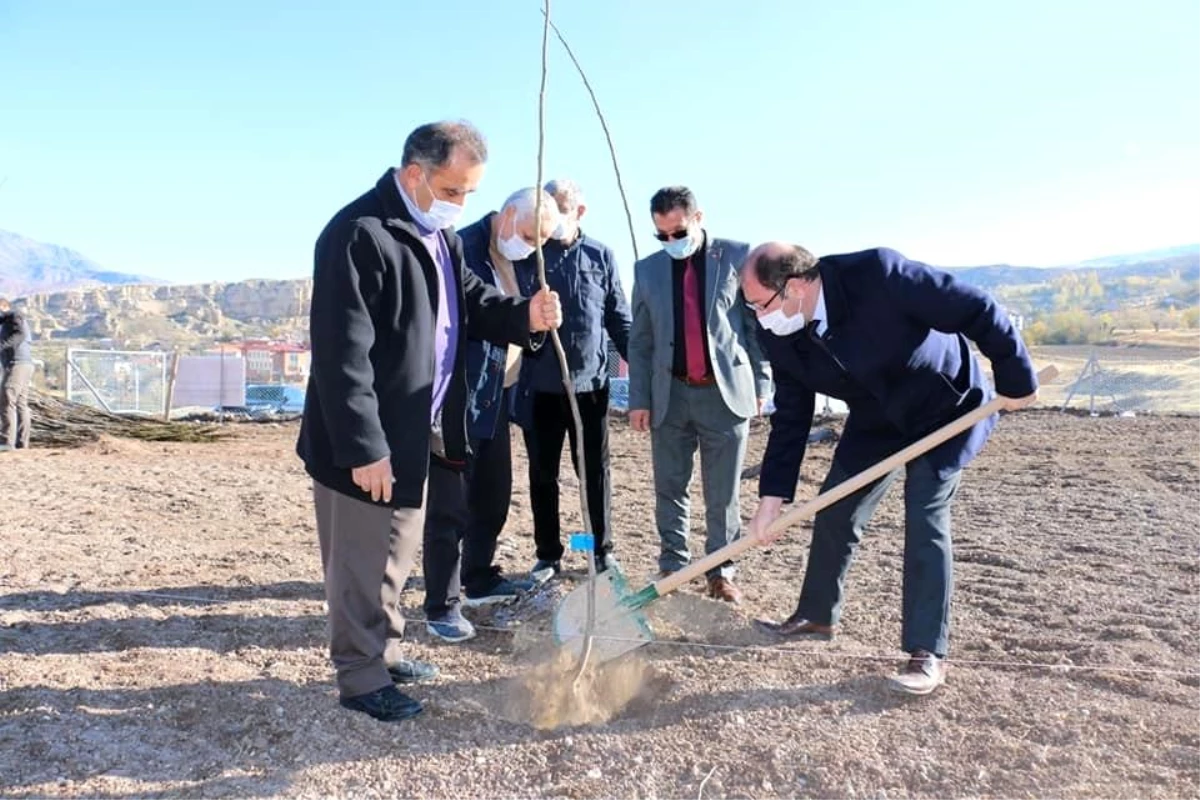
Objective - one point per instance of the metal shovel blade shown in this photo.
(618, 629)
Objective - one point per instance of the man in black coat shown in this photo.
(391, 310)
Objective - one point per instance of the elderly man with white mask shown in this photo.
(583, 271)
(466, 516)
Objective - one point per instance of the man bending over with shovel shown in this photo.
(888, 336)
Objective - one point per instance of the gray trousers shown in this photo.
(697, 417)
(367, 552)
(14, 405)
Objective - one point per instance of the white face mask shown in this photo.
(566, 228)
(441, 214)
(514, 248)
(781, 324)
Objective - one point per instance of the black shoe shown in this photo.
(406, 671)
(797, 627)
(388, 704)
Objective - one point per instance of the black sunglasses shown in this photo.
(662, 237)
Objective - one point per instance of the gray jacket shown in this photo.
(742, 373)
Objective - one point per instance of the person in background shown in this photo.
(583, 272)
(392, 306)
(889, 337)
(16, 377)
(464, 523)
(696, 377)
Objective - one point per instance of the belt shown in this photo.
(707, 380)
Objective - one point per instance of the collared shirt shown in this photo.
(678, 266)
(445, 333)
(820, 314)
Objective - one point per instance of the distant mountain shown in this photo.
(28, 267)
(1162, 254)
(993, 275)
(69, 297)
(1183, 261)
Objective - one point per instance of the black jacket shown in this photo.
(372, 321)
(14, 339)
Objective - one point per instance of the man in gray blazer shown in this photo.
(696, 376)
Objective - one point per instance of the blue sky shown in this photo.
(212, 140)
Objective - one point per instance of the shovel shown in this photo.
(620, 626)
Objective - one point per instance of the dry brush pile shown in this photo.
(60, 423)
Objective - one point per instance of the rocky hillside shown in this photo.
(144, 315)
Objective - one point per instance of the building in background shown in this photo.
(270, 361)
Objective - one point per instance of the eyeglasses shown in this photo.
(757, 307)
(662, 237)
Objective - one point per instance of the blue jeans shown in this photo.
(928, 561)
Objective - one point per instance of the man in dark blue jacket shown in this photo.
(583, 272)
(889, 337)
(466, 516)
(16, 376)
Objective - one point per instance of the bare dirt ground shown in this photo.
(1155, 373)
(1076, 542)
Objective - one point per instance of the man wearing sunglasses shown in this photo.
(888, 336)
(696, 376)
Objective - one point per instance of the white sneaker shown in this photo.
(923, 673)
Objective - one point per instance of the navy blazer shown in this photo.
(897, 333)
(485, 361)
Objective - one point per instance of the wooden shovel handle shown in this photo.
(843, 489)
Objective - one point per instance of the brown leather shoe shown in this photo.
(721, 588)
(796, 627)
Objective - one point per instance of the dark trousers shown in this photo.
(489, 491)
(466, 512)
(445, 521)
(544, 442)
(928, 562)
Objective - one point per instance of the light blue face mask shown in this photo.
(678, 247)
(681, 248)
